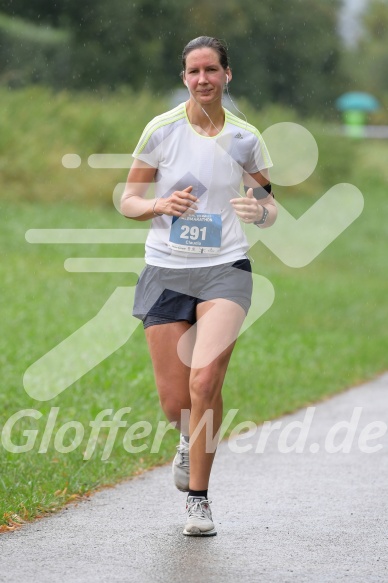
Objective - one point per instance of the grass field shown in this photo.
(325, 332)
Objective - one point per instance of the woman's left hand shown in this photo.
(247, 208)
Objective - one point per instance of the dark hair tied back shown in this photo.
(206, 42)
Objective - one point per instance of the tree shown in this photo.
(372, 51)
(285, 51)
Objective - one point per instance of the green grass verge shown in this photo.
(325, 332)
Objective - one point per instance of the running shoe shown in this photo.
(199, 517)
(181, 466)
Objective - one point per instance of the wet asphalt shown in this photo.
(316, 515)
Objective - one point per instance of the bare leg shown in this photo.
(171, 374)
(198, 388)
(218, 324)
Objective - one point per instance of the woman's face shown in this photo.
(205, 76)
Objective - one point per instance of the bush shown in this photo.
(33, 54)
(39, 127)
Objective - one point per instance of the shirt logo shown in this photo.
(239, 136)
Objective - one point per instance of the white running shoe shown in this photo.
(199, 521)
(181, 466)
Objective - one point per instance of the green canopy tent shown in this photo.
(355, 105)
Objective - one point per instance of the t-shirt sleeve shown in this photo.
(258, 157)
(148, 147)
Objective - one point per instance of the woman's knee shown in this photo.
(205, 388)
(172, 407)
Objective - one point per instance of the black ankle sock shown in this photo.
(198, 493)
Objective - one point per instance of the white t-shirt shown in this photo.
(214, 167)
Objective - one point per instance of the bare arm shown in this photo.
(250, 210)
(135, 206)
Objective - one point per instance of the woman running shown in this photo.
(195, 290)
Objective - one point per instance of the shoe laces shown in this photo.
(199, 509)
(183, 452)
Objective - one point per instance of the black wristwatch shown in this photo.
(264, 217)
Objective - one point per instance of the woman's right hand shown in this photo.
(179, 203)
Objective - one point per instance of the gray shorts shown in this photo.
(166, 295)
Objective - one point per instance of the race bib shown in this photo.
(199, 233)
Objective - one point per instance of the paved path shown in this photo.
(281, 517)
